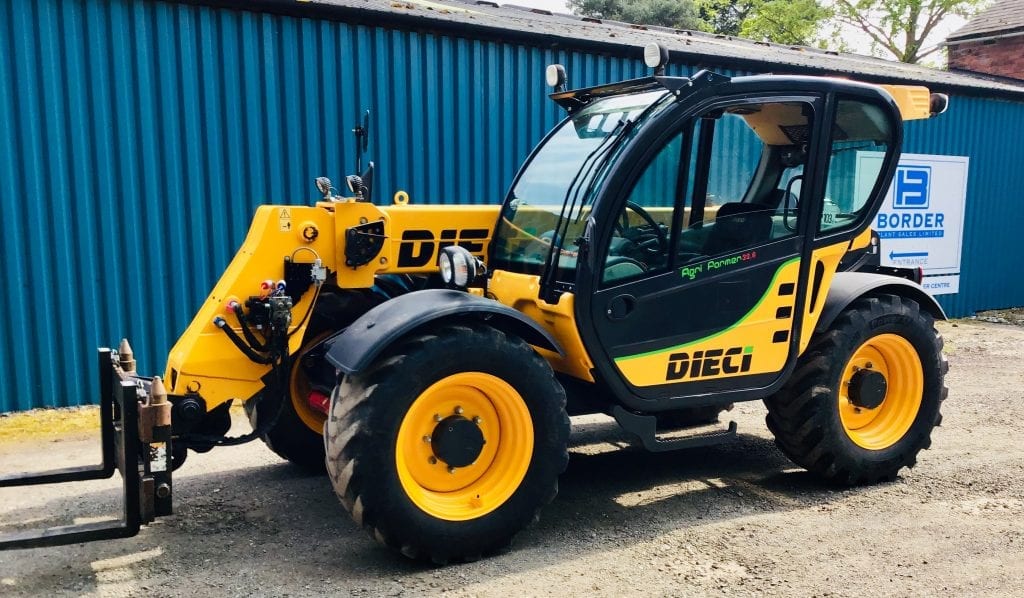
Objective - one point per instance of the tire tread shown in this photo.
(349, 435)
(801, 415)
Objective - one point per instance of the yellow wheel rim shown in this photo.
(462, 493)
(299, 388)
(895, 358)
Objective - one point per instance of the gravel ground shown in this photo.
(728, 520)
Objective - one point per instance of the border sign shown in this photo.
(921, 220)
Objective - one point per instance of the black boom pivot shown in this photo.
(135, 431)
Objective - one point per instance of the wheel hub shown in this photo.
(867, 389)
(457, 441)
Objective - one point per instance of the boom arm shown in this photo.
(354, 241)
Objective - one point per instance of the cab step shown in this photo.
(645, 429)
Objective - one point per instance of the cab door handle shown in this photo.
(620, 306)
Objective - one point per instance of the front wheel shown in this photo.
(865, 395)
(450, 443)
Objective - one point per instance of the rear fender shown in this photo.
(352, 350)
(847, 287)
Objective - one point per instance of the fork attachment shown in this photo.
(135, 440)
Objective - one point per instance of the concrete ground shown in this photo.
(736, 519)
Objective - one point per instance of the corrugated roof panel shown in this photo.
(517, 25)
(1002, 17)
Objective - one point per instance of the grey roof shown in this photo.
(1005, 16)
(485, 19)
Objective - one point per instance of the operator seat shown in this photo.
(739, 225)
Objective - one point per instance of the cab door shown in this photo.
(697, 279)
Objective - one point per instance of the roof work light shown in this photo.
(656, 57)
(555, 76)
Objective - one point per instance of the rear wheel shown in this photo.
(297, 435)
(450, 444)
(865, 395)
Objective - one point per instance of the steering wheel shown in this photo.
(623, 226)
(539, 246)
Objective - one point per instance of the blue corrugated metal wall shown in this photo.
(989, 132)
(137, 137)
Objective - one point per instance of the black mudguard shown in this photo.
(848, 286)
(357, 346)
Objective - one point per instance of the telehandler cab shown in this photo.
(673, 246)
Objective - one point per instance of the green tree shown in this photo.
(680, 14)
(792, 22)
(725, 16)
(902, 28)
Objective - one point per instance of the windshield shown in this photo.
(558, 179)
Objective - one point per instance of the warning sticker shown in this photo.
(285, 219)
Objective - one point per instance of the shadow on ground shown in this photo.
(259, 523)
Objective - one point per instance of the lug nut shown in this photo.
(477, 420)
(426, 439)
(458, 411)
(868, 365)
(437, 417)
(432, 460)
(451, 469)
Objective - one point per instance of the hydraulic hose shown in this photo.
(280, 369)
(246, 331)
(221, 323)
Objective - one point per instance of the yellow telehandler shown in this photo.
(673, 246)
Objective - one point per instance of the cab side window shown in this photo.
(641, 236)
(860, 138)
(747, 187)
(730, 181)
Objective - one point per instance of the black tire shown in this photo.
(363, 432)
(290, 438)
(805, 417)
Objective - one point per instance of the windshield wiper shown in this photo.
(593, 159)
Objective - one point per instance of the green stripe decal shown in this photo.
(771, 288)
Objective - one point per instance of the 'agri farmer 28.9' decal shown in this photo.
(921, 222)
(692, 271)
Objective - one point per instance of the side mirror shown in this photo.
(937, 103)
(367, 177)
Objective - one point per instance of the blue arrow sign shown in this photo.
(893, 255)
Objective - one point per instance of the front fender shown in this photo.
(355, 348)
(847, 287)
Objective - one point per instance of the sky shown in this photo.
(858, 41)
